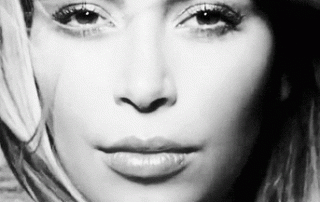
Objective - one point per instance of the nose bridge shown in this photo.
(146, 69)
(146, 53)
(147, 85)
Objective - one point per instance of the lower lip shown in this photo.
(140, 165)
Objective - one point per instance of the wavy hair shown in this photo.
(24, 136)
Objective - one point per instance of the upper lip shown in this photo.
(152, 145)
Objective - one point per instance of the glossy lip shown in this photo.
(156, 158)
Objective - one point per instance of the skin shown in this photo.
(213, 85)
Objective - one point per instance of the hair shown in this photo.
(284, 164)
(24, 136)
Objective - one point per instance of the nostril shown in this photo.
(146, 107)
(156, 104)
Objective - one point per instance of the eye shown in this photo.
(209, 19)
(83, 17)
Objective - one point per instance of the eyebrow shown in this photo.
(176, 1)
(165, 2)
(120, 2)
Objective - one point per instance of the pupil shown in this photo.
(86, 17)
(208, 18)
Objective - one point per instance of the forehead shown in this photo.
(147, 3)
(138, 4)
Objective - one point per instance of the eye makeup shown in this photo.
(78, 18)
(84, 19)
(206, 19)
(199, 20)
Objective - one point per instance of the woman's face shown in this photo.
(152, 100)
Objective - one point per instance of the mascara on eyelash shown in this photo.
(67, 11)
(65, 14)
(226, 13)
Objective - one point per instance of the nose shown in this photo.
(146, 83)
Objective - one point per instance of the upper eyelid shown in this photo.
(89, 7)
(189, 12)
(188, 9)
(52, 6)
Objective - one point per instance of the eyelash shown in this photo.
(220, 19)
(66, 14)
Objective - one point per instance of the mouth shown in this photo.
(151, 160)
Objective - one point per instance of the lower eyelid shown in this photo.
(80, 33)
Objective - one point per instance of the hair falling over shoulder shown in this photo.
(292, 171)
(285, 162)
(24, 138)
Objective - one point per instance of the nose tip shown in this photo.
(147, 107)
(147, 98)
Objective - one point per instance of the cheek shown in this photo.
(75, 73)
(222, 84)
(222, 81)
